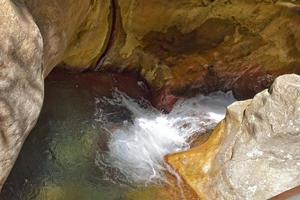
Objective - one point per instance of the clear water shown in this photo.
(93, 143)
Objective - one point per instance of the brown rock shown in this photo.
(246, 44)
(164, 100)
(75, 33)
(186, 46)
(254, 152)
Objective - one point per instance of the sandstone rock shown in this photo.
(21, 80)
(75, 33)
(202, 46)
(187, 46)
(254, 153)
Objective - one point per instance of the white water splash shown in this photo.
(137, 148)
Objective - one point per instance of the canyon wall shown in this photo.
(179, 46)
(75, 33)
(190, 46)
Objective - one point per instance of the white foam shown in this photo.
(137, 149)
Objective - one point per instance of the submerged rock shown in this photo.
(254, 153)
(164, 100)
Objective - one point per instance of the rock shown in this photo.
(164, 100)
(74, 33)
(188, 46)
(21, 80)
(193, 46)
(290, 194)
(254, 153)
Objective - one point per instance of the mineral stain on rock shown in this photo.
(180, 48)
(174, 43)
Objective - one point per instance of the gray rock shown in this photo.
(254, 154)
(21, 80)
(261, 157)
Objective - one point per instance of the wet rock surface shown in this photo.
(180, 48)
(254, 152)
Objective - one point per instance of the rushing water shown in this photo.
(94, 143)
(137, 146)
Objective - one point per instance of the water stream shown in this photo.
(137, 145)
(98, 139)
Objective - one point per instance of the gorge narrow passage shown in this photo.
(106, 142)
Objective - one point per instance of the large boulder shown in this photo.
(21, 80)
(35, 36)
(254, 153)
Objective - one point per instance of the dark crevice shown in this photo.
(111, 36)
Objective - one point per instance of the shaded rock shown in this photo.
(290, 194)
(164, 100)
(74, 33)
(202, 46)
(21, 80)
(254, 153)
(188, 46)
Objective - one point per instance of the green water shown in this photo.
(57, 161)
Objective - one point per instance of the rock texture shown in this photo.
(21, 80)
(180, 46)
(35, 36)
(254, 153)
(75, 33)
(194, 45)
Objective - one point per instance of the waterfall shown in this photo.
(137, 145)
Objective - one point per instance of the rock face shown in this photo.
(184, 46)
(194, 45)
(179, 47)
(35, 36)
(75, 33)
(254, 153)
(21, 80)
